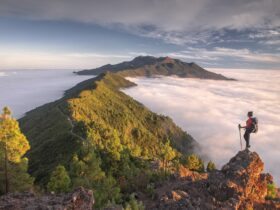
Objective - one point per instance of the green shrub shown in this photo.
(59, 181)
(271, 191)
(211, 166)
(151, 190)
(133, 204)
(194, 163)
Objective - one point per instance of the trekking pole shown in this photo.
(240, 136)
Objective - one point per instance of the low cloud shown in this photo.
(211, 110)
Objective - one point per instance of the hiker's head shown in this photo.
(250, 114)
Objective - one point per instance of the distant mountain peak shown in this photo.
(154, 66)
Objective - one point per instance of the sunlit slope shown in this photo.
(96, 109)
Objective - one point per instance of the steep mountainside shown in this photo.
(152, 66)
(96, 112)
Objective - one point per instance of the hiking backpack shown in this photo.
(255, 125)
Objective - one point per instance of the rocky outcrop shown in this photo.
(191, 175)
(239, 185)
(79, 199)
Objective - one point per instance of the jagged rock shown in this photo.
(191, 175)
(239, 185)
(79, 199)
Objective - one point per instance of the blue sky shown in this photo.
(59, 34)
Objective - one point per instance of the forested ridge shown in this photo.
(104, 140)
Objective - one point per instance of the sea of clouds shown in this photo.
(24, 90)
(211, 110)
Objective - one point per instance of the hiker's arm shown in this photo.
(242, 126)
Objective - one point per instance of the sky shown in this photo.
(211, 111)
(71, 34)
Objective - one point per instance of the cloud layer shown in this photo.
(25, 90)
(211, 110)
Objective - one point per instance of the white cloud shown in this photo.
(271, 42)
(211, 110)
(265, 34)
(219, 53)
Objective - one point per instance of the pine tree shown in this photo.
(211, 166)
(106, 190)
(59, 181)
(113, 145)
(167, 154)
(13, 145)
(133, 204)
(86, 171)
(193, 162)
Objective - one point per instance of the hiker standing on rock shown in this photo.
(251, 127)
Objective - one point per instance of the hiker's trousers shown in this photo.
(247, 137)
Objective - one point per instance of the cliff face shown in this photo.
(239, 185)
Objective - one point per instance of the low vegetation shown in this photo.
(271, 191)
(193, 162)
(210, 166)
(59, 181)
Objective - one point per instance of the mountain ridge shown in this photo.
(153, 66)
(95, 102)
(97, 125)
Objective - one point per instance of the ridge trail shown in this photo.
(71, 124)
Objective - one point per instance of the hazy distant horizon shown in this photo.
(106, 63)
(24, 90)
